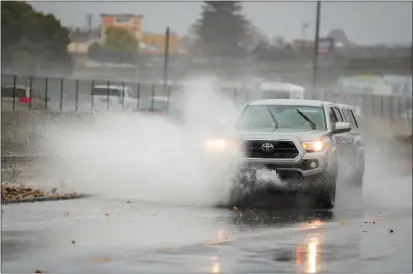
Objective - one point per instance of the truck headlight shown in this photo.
(217, 145)
(314, 146)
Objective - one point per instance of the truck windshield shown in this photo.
(258, 117)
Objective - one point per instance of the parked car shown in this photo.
(162, 105)
(19, 96)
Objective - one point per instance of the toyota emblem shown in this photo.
(267, 147)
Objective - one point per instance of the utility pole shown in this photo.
(316, 38)
(303, 30)
(89, 18)
(166, 57)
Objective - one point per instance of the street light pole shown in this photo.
(317, 35)
(166, 59)
(303, 30)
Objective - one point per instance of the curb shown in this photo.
(21, 158)
(45, 199)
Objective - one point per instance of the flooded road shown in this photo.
(105, 235)
(369, 230)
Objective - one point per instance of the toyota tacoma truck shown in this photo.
(305, 142)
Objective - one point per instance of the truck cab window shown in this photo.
(333, 117)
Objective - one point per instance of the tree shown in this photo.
(95, 52)
(31, 39)
(121, 44)
(222, 29)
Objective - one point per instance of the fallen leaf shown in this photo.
(342, 222)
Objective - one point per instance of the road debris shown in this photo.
(11, 192)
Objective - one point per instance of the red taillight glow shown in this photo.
(24, 100)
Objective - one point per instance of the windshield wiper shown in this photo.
(312, 124)
(273, 118)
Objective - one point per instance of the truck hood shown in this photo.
(270, 134)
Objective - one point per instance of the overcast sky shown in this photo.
(363, 22)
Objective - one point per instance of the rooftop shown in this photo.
(120, 15)
(83, 36)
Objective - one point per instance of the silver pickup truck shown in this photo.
(306, 142)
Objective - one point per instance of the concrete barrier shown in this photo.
(21, 130)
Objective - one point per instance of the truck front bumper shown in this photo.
(308, 165)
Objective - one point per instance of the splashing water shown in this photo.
(146, 157)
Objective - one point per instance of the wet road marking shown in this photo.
(308, 226)
(375, 219)
(217, 242)
(99, 260)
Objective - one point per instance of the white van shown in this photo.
(112, 97)
(274, 90)
(363, 85)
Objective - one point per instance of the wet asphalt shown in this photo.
(103, 235)
(368, 231)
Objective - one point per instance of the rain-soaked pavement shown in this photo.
(103, 235)
(368, 231)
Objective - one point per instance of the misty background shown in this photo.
(364, 22)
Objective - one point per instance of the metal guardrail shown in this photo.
(74, 95)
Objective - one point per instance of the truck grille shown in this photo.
(280, 150)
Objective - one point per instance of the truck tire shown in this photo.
(326, 194)
(324, 186)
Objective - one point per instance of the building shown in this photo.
(80, 41)
(132, 22)
(155, 43)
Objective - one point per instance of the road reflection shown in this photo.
(307, 256)
(215, 268)
(253, 218)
